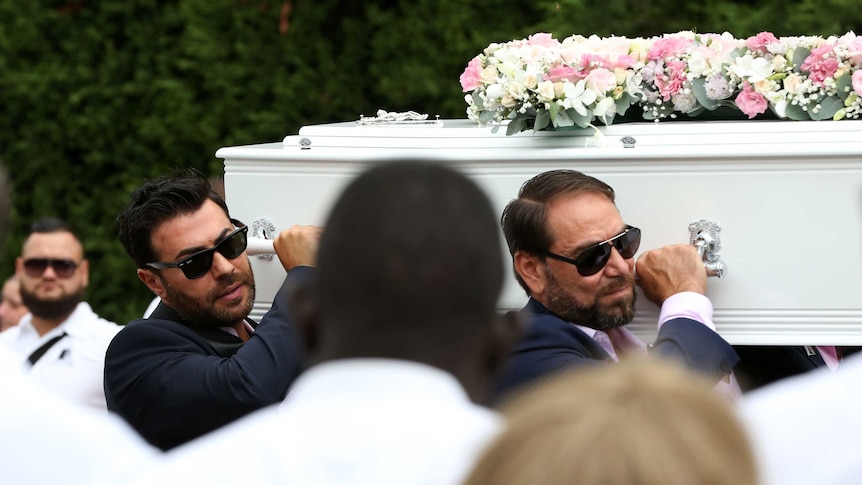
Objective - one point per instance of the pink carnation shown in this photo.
(759, 42)
(564, 73)
(671, 80)
(471, 78)
(857, 82)
(820, 64)
(668, 47)
(751, 102)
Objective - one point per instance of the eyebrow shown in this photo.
(580, 248)
(189, 251)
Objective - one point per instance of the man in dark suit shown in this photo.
(760, 365)
(573, 255)
(198, 362)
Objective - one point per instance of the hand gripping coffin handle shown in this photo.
(260, 240)
(705, 235)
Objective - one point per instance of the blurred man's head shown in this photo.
(410, 267)
(52, 270)
(11, 306)
(188, 250)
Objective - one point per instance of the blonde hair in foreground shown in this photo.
(640, 422)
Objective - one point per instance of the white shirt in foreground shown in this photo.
(363, 421)
(805, 430)
(50, 441)
(75, 366)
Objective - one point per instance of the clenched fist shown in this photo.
(669, 270)
(297, 246)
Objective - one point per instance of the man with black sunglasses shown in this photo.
(574, 256)
(198, 362)
(61, 343)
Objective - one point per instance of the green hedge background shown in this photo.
(96, 96)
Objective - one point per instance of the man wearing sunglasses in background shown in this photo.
(61, 343)
(198, 362)
(573, 255)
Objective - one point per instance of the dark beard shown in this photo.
(568, 308)
(54, 309)
(201, 313)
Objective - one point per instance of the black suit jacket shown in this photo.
(173, 382)
(552, 344)
(760, 365)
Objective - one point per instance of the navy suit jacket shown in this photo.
(760, 365)
(173, 382)
(552, 344)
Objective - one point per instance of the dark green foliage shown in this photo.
(96, 96)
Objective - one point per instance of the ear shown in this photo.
(85, 272)
(531, 268)
(19, 266)
(153, 282)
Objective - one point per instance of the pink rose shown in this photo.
(758, 42)
(670, 81)
(471, 78)
(751, 102)
(542, 40)
(854, 54)
(668, 47)
(820, 64)
(857, 82)
(564, 73)
(601, 80)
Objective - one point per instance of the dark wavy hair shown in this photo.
(157, 201)
(524, 219)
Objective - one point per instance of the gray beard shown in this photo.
(568, 308)
(54, 309)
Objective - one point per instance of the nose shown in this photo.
(617, 265)
(221, 265)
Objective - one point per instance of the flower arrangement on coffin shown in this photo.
(541, 83)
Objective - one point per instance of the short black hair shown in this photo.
(158, 200)
(48, 225)
(524, 219)
(410, 257)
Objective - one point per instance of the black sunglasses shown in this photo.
(63, 268)
(595, 257)
(199, 263)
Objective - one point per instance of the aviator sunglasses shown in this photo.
(199, 263)
(63, 268)
(595, 257)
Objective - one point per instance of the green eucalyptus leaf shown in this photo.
(543, 118)
(799, 56)
(845, 86)
(486, 116)
(828, 107)
(517, 125)
(581, 120)
(477, 101)
(796, 113)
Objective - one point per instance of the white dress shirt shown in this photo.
(806, 429)
(74, 367)
(50, 441)
(357, 421)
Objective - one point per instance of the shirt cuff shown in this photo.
(687, 304)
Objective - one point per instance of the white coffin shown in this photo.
(788, 197)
